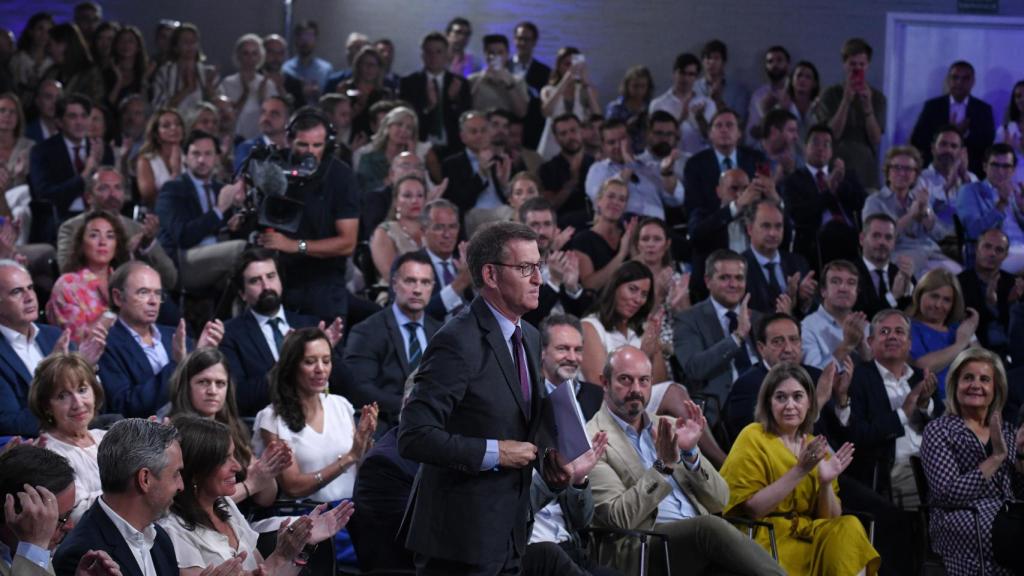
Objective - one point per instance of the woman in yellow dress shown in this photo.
(778, 472)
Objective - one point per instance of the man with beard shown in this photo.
(276, 50)
(383, 350)
(560, 269)
(779, 137)
(563, 176)
(883, 283)
(274, 113)
(772, 95)
(947, 173)
(991, 291)
(662, 135)
(305, 66)
(252, 340)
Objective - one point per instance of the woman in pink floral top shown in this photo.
(79, 297)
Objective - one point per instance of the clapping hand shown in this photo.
(363, 438)
(327, 523)
(585, 462)
(811, 452)
(830, 468)
(690, 426)
(178, 343)
(995, 435)
(562, 238)
(334, 332)
(211, 335)
(97, 563)
(292, 537)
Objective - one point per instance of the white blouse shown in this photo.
(87, 469)
(204, 547)
(314, 450)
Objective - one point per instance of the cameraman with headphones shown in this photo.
(312, 261)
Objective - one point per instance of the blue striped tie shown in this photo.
(415, 352)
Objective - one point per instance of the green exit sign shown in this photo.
(978, 6)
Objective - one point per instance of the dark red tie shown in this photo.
(79, 163)
(524, 373)
(822, 181)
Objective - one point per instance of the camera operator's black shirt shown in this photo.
(316, 286)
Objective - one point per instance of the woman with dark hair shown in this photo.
(126, 74)
(32, 60)
(972, 458)
(79, 296)
(940, 325)
(66, 397)
(185, 79)
(623, 317)
(365, 87)
(317, 425)
(72, 64)
(635, 93)
(568, 90)
(1011, 130)
(803, 89)
(202, 386)
(206, 526)
(779, 473)
(101, 44)
(651, 245)
(160, 157)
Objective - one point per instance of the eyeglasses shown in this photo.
(144, 294)
(63, 519)
(1000, 165)
(526, 269)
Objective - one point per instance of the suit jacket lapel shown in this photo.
(620, 448)
(397, 336)
(711, 320)
(119, 550)
(11, 358)
(136, 356)
(254, 332)
(496, 341)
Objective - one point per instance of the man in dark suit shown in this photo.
(877, 240)
(477, 176)
(438, 96)
(140, 467)
(991, 291)
(971, 116)
(452, 290)
(773, 272)
(193, 208)
(22, 346)
(536, 74)
(712, 338)
(274, 114)
(561, 288)
(45, 124)
(885, 436)
(701, 175)
(824, 203)
(59, 164)
(253, 338)
(385, 348)
(141, 355)
(472, 416)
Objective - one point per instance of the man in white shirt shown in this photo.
(883, 283)
(834, 331)
(692, 111)
(947, 173)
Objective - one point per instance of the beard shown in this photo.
(571, 146)
(268, 303)
(661, 149)
(945, 159)
(776, 75)
(566, 372)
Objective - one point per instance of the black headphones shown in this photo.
(318, 114)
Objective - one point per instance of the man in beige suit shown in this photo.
(652, 477)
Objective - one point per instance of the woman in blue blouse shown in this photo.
(940, 326)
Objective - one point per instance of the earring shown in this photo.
(50, 419)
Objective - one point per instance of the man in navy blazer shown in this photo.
(250, 343)
(140, 470)
(141, 355)
(385, 348)
(59, 164)
(971, 116)
(701, 175)
(193, 209)
(452, 290)
(438, 107)
(274, 114)
(766, 262)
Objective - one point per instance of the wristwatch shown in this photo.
(302, 247)
(660, 466)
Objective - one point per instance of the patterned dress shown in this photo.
(951, 453)
(807, 545)
(78, 300)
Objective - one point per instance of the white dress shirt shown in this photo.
(140, 543)
(268, 332)
(27, 348)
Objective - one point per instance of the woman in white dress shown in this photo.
(248, 87)
(319, 426)
(206, 526)
(569, 90)
(65, 396)
(184, 80)
(159, 159)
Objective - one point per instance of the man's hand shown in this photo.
(626, 148)
(557, 474)
(968, 326)
(808, 288)
(37, 520)
(63, 342)
(838, 173)
(514, 454)
(841, 382)
(454, 87)
(97, 563)
(95, 343)
(853, 329)
(334, 332)
(743, 319)
(901, 284)
(562, 238)
(231, 195)
(690, 426)
(823, 388)
(784, 304)
(274, 240)
(1016, 291)
(178, 343)
(584, 463)
(212, 334)
(462, 277)
(920, 395)
(666, 445)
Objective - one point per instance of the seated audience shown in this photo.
(375, 204)
(31, 60)
(772, 95)
(318, 426)
(782, 279)
(252, 340)
(521, 187)
(495, 86)
(206, 526)
(780, 142)
(201, 387)
(883, 282)
(972, 459)
(561, 289)
(855, 112)
(834, 331)
(15, 147)
(42, 483)
(884, 411)
(653, 477)
(724, 226)
(185, 79)
(604, 246)
(247, 88)
(651, 245)
(438, 96)
(383, 350)
(941, 325)
(401, 232)
(365, 88)
(563, 177)
(127, 72)
(160, 158)
(692, 111)
(713, 84)
(452, 282)
(1010, 131)
(703, 169)
(477, 176)
(46, 122)
(947, 173)
(991, 291)
(907, 200)
(66, 397)
(969, 115)
(793, 482)
(105, 190)
(823, 201)
(635, 92)
(996, 202)
(568, 91)
(79, 298)
(73, 65)
(652, 187)
(396, 134)
(141, 355)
